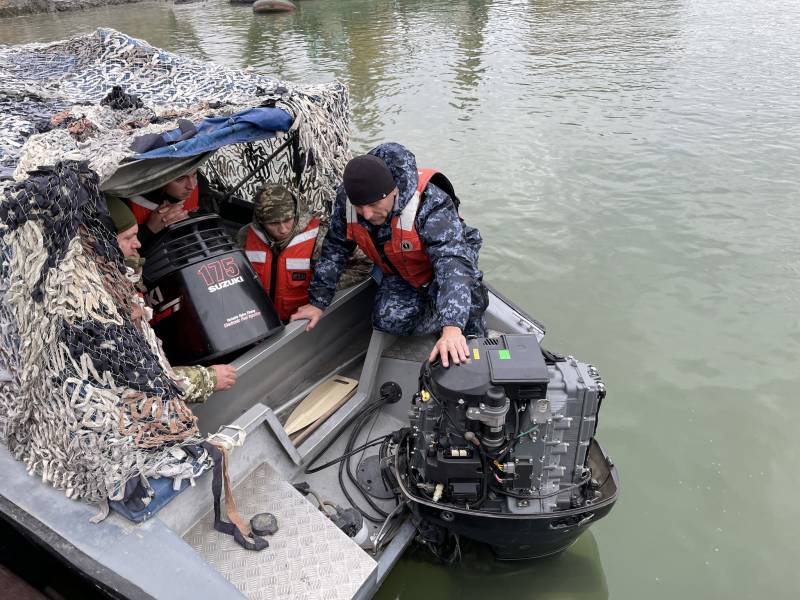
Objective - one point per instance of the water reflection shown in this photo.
(470, 29)
(576, 573)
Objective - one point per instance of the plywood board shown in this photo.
(321, 402)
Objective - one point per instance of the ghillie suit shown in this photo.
(94, 398)
(87, 401)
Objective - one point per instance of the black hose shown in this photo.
(584, 481)
(340, 474)
(347, 465)
(485, 486)
(364, 446)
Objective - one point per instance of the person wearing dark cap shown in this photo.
(406, 220)
(198, 382)
(126, 226)
(280, 249)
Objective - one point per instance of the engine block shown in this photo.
(507, 430)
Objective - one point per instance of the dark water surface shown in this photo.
(634, 167)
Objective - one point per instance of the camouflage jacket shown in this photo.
(451, 244)
(197, 382)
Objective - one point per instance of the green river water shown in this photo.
(634, 168)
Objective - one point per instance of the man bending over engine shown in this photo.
(411, 230)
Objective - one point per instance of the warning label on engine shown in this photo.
(241, 317)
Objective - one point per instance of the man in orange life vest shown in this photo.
(167, 205)
(428, 257)
(280, 249)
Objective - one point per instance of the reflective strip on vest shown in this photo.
(143, 202)
(297, 264)
(409, 213)
(351, 216)
(256, 256)
(304, 237)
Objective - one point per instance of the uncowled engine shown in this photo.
(506, 432)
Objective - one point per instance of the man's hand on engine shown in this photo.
(226, 377)
(451, 344)
(310, 312)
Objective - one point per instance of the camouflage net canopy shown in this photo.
(87, 399)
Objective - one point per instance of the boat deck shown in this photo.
(309, 557)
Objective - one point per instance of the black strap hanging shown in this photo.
(256, 543)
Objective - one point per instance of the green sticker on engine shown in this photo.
(504, 354)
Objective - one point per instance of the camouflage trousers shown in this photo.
(401, 309)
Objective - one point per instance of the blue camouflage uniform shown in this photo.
(456, 295)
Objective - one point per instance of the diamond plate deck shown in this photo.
(308, 558)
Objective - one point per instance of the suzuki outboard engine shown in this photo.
(207, 301)
(502, 449)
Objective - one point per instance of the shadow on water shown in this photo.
(576, 573)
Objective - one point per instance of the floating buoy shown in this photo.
(268, 6)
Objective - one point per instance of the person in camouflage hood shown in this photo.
(283, 248)
(430, 281)
(198, 382)
(275, 215)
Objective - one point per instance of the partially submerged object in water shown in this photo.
(272, 6)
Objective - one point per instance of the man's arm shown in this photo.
(200, 382)
(442, 233)
(336, 250)
(241, 236)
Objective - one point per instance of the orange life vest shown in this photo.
(292, 268)
(141, 207)
(404, 250)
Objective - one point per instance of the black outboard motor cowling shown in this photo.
(207, 301)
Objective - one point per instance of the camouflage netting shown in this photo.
(87, 399)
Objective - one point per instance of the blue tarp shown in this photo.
(247, 126)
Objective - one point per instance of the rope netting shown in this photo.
(87, 399)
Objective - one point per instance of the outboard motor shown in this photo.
(207, 301)
(501, 448)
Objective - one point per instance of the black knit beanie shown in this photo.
(367, 179)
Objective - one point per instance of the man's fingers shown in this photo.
(311, 323)
(443, 354)
(455, 352)
(434, 353)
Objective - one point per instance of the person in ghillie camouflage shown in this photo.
(428, 257)
(198, 382)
